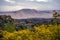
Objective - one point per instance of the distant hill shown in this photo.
(29, 13)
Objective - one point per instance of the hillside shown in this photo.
(29, 13)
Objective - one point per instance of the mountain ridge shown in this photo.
(29, 13)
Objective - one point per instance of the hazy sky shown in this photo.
(12, 5)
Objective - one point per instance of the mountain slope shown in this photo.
(28, 13)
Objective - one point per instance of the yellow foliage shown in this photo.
(40, 33)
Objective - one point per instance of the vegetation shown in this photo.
(29, 29)
(40, 33)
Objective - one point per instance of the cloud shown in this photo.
(10, 8)
(15, 8)
(19, 7)
(30, 0)
(42, 0)
(10, 1)
(27, 5)
(39, 0)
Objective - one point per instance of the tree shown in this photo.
(55, 15)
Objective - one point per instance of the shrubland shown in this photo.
(29, 29)
(40, 33)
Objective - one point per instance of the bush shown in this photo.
(40, 33)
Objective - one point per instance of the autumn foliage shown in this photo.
(40, 33)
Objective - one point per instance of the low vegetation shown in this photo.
(29, 30)
(40, 33)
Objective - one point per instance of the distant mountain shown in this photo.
(29, 13)
(34, 11)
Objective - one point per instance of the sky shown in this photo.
(14, 5)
